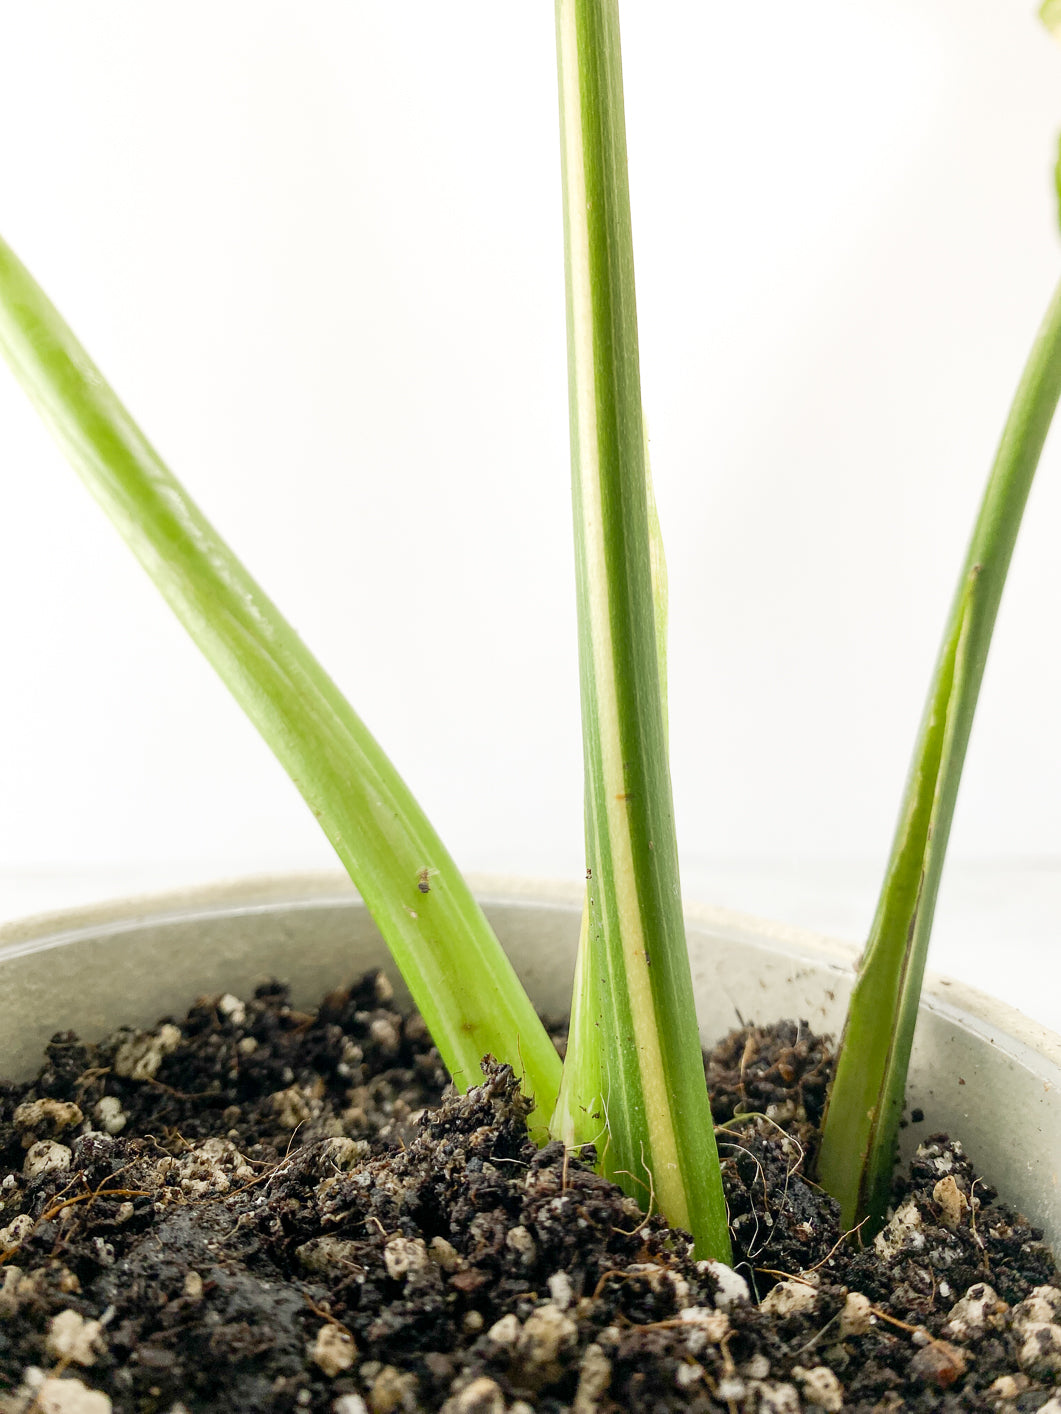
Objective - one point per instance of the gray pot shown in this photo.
(980, 1070)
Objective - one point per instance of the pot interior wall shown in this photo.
(979, 1071)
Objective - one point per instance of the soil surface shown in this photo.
(256, 1209)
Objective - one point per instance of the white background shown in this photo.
(317, 249)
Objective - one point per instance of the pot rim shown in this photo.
(1001, 1025)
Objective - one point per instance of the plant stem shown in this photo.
(459, 977)
(862, 1119)
(635, 967)
(579, 1116)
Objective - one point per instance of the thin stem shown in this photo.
(862, 1120)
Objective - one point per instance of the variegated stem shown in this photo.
(660, 1141)
(579, 1117)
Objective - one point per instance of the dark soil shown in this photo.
(256, 1209)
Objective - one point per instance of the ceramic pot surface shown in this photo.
(979, 1070)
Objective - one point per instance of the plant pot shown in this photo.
(980, 1070)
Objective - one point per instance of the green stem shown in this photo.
(455, 968)
(862, 1120)
(643, 1050)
